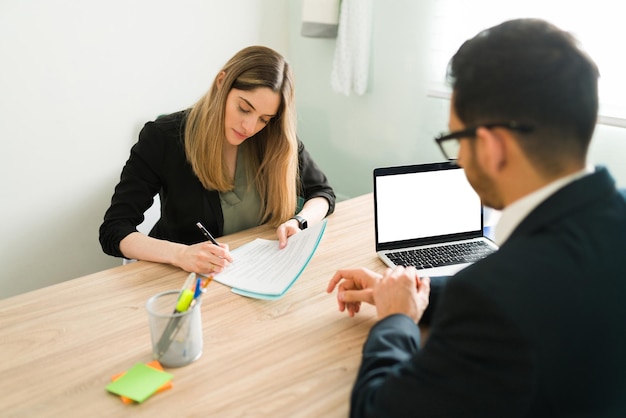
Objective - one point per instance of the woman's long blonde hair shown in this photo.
(271, 155)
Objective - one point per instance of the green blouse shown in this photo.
(241, 207)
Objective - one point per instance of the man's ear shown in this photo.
(491, 149)
(220, 78)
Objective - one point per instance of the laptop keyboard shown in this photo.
(423, 258)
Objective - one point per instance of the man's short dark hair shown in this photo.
(531, 72)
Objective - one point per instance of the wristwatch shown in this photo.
(302, 223)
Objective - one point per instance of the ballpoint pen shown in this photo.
(206, 233)
(198, 289)
(201, 286)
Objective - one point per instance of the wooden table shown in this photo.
(296, 356)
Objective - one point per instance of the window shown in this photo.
(597, 25)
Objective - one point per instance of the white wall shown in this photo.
(78, 79)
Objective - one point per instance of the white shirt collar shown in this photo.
(515, 213)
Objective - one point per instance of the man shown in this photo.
(538, 328)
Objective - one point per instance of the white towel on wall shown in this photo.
(352, 52)
(320, 18)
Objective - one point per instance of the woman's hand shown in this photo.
(285, 230)
(314, 210)
(204, 258)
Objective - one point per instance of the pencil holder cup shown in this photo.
(176, 336)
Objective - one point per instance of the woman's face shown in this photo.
(247, 112)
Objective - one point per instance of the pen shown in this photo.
(206, 233)
(201, 286)
(198, 289)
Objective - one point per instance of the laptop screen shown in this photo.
(422, 203)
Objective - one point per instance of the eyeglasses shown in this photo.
(450, 144)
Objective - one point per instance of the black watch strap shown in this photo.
(302, 223)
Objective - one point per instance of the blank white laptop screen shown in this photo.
(425, 204)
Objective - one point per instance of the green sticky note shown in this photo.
(139, 383)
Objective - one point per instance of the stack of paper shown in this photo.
(261, 270)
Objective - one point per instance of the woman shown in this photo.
(231, 162)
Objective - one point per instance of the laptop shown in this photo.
(430, 217)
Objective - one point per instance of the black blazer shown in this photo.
(157, 164)
(536, 329)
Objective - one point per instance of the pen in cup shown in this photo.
(198, 288)
(201, 285)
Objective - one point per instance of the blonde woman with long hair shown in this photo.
(232, 162)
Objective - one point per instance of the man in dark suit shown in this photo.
(538, 328)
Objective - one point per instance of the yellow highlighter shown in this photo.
(184, 300)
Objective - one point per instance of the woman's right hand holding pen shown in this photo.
(204, 258)
(211, 254)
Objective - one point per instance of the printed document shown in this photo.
(261, 270)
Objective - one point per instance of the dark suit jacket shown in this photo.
(157, 164)
(537, 329)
